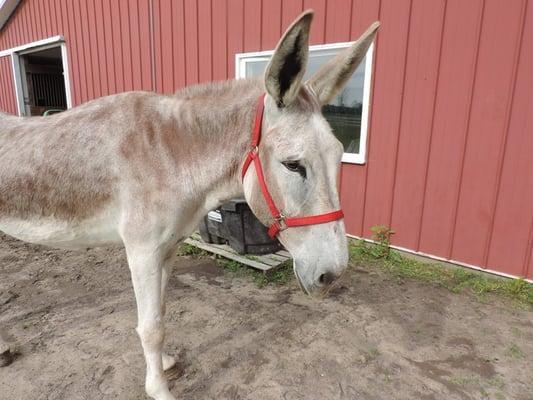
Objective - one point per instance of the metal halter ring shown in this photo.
(280, 220)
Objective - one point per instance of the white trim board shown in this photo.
(444, 260)
(360, 158)
(66, 74)
(328, 46)
(38, 43)
(7, 7)
(17, 83)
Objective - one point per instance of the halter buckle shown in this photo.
(254, 150)
(280, 220)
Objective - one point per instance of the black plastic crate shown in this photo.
(235, 224)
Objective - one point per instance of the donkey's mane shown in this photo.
(217, 89)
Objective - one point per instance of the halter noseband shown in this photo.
(281, 222)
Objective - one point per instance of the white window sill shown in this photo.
(352, 158)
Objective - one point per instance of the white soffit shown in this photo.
(6, 9)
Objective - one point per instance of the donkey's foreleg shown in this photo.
(146, 264)
(168, 361)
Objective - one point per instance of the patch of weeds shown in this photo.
(186, 249)
(232, 266)
(515, 352)
(457, 280)
(381, 248)
(496, 382)
(462, 380)
(387, 376)
(372, 354)
(484, 393)
(283, 274)
(260, 279)
(280, 276)
(517, 332)
(499, 396)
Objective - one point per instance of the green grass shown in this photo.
(280, 276)
(515, 352)
(463, 380)
(373, 353)
(496, 382)
(380, 256)
(457, 280)
(186, 249)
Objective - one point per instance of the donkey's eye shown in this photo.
(295, 166)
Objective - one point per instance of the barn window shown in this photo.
(348, 112)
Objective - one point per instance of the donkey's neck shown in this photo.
(217, 120)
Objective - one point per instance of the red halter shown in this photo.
(281, 222)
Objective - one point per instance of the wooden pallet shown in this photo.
(264, 263)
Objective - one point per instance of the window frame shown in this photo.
(28, 48)
(241, 59)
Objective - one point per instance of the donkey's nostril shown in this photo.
(326, 278)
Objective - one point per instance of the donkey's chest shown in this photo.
(99, 229)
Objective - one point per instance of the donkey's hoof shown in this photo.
(6, 358)
(168, 362)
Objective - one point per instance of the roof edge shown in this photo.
(6, 10)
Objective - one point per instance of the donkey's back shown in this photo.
(59, 175)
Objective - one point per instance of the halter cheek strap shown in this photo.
(281, 222)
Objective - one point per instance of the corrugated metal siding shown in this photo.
(7, 88)
(108, 43)
(449, 159)
(450, 124)
(512, 218)
(451, 77)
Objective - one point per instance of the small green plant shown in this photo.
(462, 380)
(515, 352)
(230, 265)
(381, 236)
(517, 332)
(186, 249)
(496, 382)
(373, 353)
(280, 276)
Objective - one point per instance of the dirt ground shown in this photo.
(71, 318)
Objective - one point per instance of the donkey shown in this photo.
(142, 169)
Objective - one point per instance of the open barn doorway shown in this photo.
(42, 81)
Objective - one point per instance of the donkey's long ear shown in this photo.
(331, 78)
(284, 73)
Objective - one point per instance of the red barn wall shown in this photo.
(7, 89)
(449, 163)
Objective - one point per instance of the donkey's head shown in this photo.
(301, 156)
